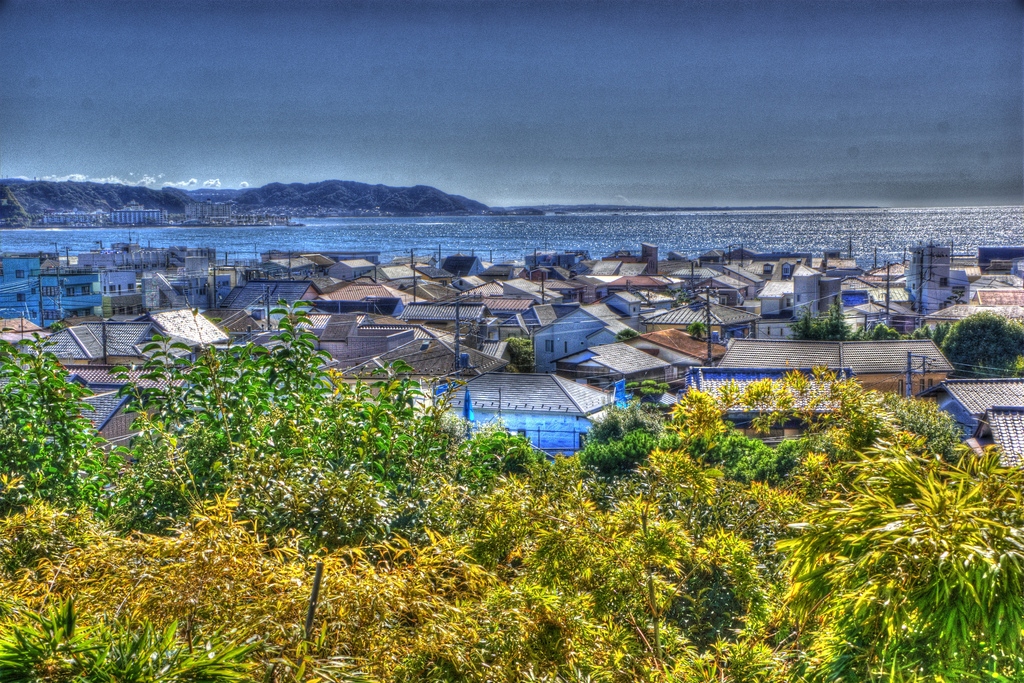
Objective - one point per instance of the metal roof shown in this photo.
(531, 392)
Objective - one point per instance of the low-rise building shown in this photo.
(554, 413)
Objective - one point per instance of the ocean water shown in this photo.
(500, 238)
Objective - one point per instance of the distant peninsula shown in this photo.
(327, 198)
(338, 197)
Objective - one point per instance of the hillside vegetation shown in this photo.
(682, 551)
(331, 195)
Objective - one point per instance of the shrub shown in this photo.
(619, 421)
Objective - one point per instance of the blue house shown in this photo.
(554, 413)
(71, 293)
(19, 286)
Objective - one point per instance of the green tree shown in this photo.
(984, 345)
(697, 330)
(619, 421)
(925, 418)
(916, 573)
(831, 326)
(626, 334)
(521, 351)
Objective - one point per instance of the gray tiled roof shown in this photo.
(102, 407)
(459, 264)
(441, 312)
(431, 357)
(862, 357)
(252, 292)
(978, 395)
(684, 315)
(1007, 424)
(775, 289)
(960, 311)
(85, 341)
(530, 392)
(632, 269)
(619, 357)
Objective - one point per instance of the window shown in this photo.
(943, 282)
(786, 270)
(50, 291)
(549, 345)
(583, 440)
(19, 273)
(767, 270)
(566, 347)
(21, 296)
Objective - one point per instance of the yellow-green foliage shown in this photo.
(473, 560)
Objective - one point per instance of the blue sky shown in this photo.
(510, 103)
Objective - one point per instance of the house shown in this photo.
(183, 325)
(728, 290)
(109, 416)
(713, 380)
(431, 359)
(462, 265)
(259, 297)
(726, 322)
(676, 347)
(878, 365)
(109, 342)
(445, 315)
(605, 364)
(957, 312)
(966, 400)
(503, 271)
(350, 269)
(468, 282)
(291, 267)
(538, 291)
(928, 278)
(349, 343)
(378, 299)
(575, 328)
(434, 274)
(1002, 426)
(998, 297)
(17, 330)
(554, 413)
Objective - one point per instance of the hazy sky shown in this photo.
(666, 103)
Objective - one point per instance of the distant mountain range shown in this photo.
(341, 197)
(330, 196)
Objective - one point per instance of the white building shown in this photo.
(135, 214)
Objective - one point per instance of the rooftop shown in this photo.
(531, 392)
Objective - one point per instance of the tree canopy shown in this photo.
(678, 549)
(985, 345)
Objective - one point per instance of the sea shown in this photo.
(873, 235)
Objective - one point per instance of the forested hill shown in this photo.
(349, 196)
(41, 195)
(330, 195)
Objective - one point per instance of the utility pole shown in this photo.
(909, 391)
(266, 303)
(458, 357)
(887, 293)
(412, 265)
(707, 321)
(876, 259)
